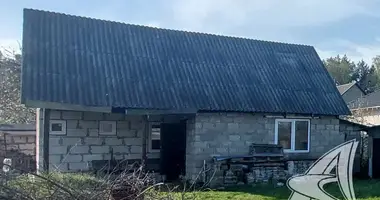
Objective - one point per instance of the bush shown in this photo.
(81, 186)
(57, 186)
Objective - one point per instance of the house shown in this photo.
(366, 109)
(170, 98)
(351, 91)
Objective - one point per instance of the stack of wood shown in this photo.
(264, 162)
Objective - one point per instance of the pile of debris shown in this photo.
(132, 185)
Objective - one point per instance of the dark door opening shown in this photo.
(376, 158)
(173, 150)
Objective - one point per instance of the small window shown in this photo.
(293, 134)
(107, 127)
(155, 137)
(58, 127)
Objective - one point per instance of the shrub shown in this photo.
(57, 186)
(82, 186)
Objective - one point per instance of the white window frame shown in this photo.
(293, 135)
(62, 122)
(150, 137)
(113, 131)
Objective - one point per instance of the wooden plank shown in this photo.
(144, 141)
(45, 144)
(63, 106)
(158, 112)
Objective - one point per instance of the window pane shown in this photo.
(155, 134)
(106, 127)
(301, 135)
(56, 127)
(156, 126)
(155, 137)
(284, 134)
(155, 144)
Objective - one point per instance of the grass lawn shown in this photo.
(82, 185)
(364, 189)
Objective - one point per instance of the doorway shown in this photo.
(173, 150)
(376, 158)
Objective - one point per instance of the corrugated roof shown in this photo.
(367, 101)
(83, 61)
(345, 87)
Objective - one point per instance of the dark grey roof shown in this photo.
(83, 61)
(345, 87)
(367, 101)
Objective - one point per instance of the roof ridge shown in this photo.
(347, 86)
(168, 29)
(352, 83)
(370, 94)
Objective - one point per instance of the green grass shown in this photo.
(46, 187)
(364, 189)
(88, 184)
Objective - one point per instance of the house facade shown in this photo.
(81, 138)
(170, 99)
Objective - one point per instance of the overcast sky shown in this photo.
(332, 26)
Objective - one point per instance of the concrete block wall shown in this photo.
(25, 144)
(208, 134)
(353, 131)
(298, 167)
(232, 133)
(20, 148)
(83, 143)
(350, 130)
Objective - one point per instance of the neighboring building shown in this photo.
(170, 98)
(367, 109)
(18, 142)
(374, 151)
(352, 130)
(19, 137)
(351, 91)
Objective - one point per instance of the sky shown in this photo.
(333, 27)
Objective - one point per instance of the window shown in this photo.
(155, 137)
(107, 127)
(293, 134)
(58, 127)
